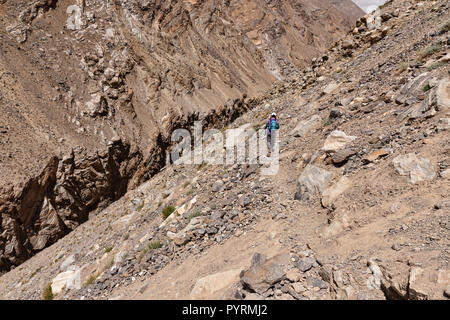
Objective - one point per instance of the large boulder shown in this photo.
(305, 126)
(424, 97)
(69, 279)
(97, 106)
(376, 275)
(374, 20)
(426, 283)
(306, 263)
(330, 88)
(313, 180)
(417, 169)
(336, 141)
(208, 287)
(331, 193)
(348, 44)
(443, 96)
(341, 157)
(417, 289)
(264, 273)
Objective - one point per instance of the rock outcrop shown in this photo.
(58, 200)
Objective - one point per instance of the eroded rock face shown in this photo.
(60, 198)
(286, 42)
(424, 97)
(414, 284)
(54, 203)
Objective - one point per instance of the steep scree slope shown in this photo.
(89, 97)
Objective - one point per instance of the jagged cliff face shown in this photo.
(86, 109)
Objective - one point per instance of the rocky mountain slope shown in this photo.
(358, 210)
(90, 92)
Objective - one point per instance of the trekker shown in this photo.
(271, 125)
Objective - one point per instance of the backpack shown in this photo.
(272, 124)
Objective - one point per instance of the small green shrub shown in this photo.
(91, 280)
(35, 272)
(110, 264)
(435, 65)
(151, 246)
(327, 122)
(264, 115)
(108, 250)
(202, 166)
(154, 245)
(402, 67)
(186, 184)
(426, 88)
(48, 294)
(385, 4)
(167, 211)
(140, 206)
(428, 51)
(194, 215)
(446, 27)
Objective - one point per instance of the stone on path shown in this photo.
(305, 126)
(417, 169)
(337, 140)
(313, 180)
(331, 193)
(264, 273)
(206, 287)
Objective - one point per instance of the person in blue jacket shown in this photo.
(271, 125)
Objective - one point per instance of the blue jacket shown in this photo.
(272, 124)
